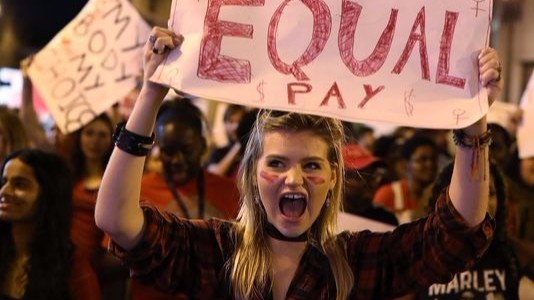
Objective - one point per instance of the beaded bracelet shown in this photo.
(132, 143)
(462, 140)
(475, 143)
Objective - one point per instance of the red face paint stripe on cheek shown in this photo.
(316, 179)
(268, 176)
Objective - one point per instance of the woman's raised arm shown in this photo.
(469, 188)
(117, 209)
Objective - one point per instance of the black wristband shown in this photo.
(132, 143)
(462, 140)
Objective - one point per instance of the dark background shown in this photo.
(28, 25)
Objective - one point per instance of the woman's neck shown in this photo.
(93, 174)
(285, 248)
(285, 259)
(22, 233)
(93, 168)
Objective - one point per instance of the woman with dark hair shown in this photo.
(521, 172)
(88, 150)
(225, 160)
(37, 257)
(497, 273)
(407, 197)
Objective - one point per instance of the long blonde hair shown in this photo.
(251, 264)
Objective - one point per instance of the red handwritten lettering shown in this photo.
(211, 64)
(322, 24)
(292, 89)
(349, 19)
(442, 75)
(369, 93)
(334, 92)
(415, 37)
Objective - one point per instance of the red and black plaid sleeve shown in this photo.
(176, 255)
(416, 254)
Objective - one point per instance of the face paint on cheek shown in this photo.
(268, 176)
(316, 179)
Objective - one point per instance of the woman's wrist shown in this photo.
(151, 90)
(478, 128)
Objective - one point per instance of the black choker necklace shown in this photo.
(276, 234)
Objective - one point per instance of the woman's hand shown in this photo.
(158, 45)
(490, 68)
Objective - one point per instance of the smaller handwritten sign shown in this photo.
(91, 63)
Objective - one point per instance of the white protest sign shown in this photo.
(405, 62)
(525, 142)
(91, 63)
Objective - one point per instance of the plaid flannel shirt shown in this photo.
(188, 257)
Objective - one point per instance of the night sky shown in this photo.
(28, 25)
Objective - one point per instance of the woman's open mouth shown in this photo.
(293, 205)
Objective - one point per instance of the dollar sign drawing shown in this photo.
(408, 105)
(259, 88)
(171, 74)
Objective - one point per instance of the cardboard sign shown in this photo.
(405, 62)
(91, 63)
(525, 142)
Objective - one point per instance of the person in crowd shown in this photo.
(521, 188)
(388, 148)
(87, 150)
(283, 243)
(501, 151)
(183, 187)
(442, 140)
(407, 197)
(496, 275)
(12, 133)
(36, 133)
(225, 160)
(502, 146)
(37, 257)
(365, 136)
(363, 175)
